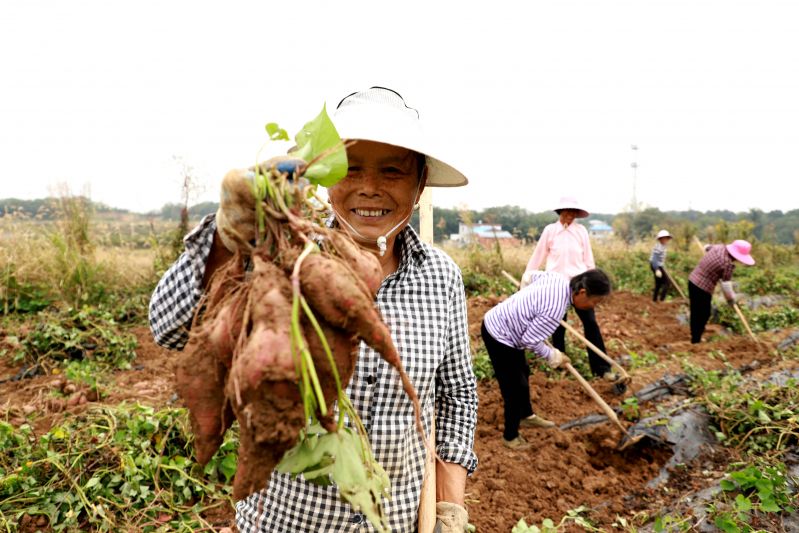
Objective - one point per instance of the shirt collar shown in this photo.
(412, 250)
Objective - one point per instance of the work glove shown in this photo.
(236, 224)
(527, 278)
(658, 273)
(557, 358)
(450, 518)
(729, 294)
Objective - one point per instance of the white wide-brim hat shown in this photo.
(381, 115)
(663, 233)
(570, 202)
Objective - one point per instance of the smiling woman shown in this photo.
(376, 198)
(419, 295)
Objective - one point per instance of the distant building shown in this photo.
(484, 234)
(599, 229)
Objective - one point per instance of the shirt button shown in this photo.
(356, 518)
(371, 380)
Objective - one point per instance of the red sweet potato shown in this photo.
(269, 424)
(266, 354)
(200, 381)
(224, 303)
(345, 305)
(364, 263)
(344, 347)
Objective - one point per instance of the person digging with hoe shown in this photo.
(421, 298)
(523, 322)
(718, 263)
(657, 262)
(564, 248)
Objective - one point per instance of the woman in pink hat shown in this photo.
(564, 248)
(717, 264)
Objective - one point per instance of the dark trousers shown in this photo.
(700, 311)
(512, 370)
(661, 284)
(591, 331)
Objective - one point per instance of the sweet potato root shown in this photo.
(200, 381)
(363, 263)
(345, 305)
(269, 423)
(266, 352)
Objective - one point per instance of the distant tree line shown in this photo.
(709, 226)
(46, 208)
(172, 211)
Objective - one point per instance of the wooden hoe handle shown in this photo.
(427, 501)
(599, 352)
(674, 283)
(746, 324)
(594, 396)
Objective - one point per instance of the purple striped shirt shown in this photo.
(526, 319)
(717, 264)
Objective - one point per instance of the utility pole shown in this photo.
(634, 206)
(426, 216)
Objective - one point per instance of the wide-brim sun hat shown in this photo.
(740, 250)
(570, 202)
(663, 233)
(381, 115)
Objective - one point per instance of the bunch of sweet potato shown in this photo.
(240, 360)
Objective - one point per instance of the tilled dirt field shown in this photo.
(565, 469)
(569, 468)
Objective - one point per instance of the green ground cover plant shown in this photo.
(758, 418)
(752, 490)
(111, 469)
(72, 334)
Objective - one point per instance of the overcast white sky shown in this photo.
(531, 100)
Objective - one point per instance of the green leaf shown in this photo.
(228, 465)
(727, 485)
(726, 524)
(340, 458)
(742, 503)
(318, 137)
(276, 133)
(768, 505)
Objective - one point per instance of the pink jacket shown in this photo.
(566, 250)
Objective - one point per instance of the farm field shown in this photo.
(93, 437)
(581, 468)
(567, 469)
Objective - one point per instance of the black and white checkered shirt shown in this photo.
(423, 304)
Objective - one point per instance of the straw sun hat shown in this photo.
(381, 115)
